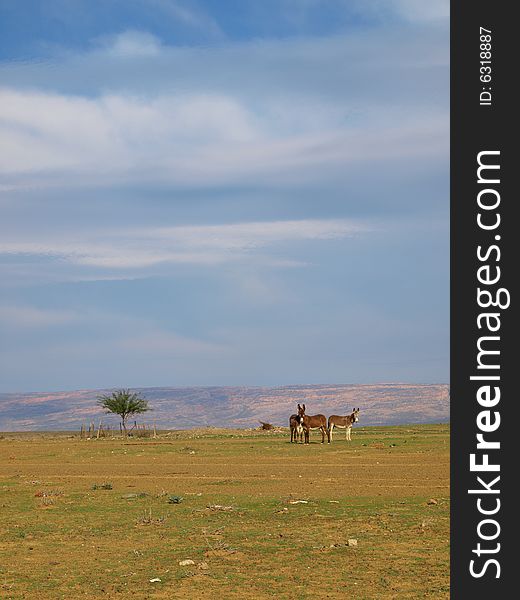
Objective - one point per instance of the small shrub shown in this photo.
(175, 499)
(147, 519)
(103, 486)
(266, 426)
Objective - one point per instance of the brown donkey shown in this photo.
(296, 424)
(344, 423)
(315, 422)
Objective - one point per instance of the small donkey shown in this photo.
(315, 422)
(344, 423)
(296, 424)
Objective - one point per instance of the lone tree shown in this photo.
(123, 403)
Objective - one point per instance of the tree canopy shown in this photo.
(123, 403)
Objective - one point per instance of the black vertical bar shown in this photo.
(482, 119)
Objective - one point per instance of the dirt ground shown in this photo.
(257, 516)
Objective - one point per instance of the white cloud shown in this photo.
(31, 317)
(191, 139)
(300, 13)
(113, 134)
(130, 44)
(419, 10)
(288, 110)
(196, 245)
(190, 16)
(255, 234)
(130, 132)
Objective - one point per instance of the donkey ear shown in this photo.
(304, 407)
(298, 407)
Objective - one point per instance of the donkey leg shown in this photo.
(330, 430)
(324, 432)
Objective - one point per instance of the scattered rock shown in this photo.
(203, 566)
(351, 542)
(220, 507)
(155, 580)
(298, 502)
(432, 501)
(186, 563)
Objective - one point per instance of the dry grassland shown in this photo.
(258, 516)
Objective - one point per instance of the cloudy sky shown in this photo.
(208, 192)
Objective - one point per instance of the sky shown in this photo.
(216, 192)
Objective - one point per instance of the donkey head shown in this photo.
(301, 413)
(355, 413)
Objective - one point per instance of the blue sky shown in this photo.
(223, 193)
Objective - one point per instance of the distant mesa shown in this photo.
(185, 408)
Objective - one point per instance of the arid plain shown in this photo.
(253, 515)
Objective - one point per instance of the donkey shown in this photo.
(315, 422)
(344, 423)
(296, 424)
